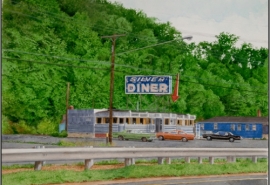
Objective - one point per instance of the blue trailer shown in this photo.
(247, 127)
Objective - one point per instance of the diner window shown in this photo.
(134, 120)
(247, 126)
(141, 120)
(98, 120)
(107, 120)
(253, 127)
(239, 127)
(167, 121)
(232, 126)
(121, 120)
(128, 121)
(215, 126)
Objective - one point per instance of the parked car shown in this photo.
(222, 135)
(134, 135)
(175, 135)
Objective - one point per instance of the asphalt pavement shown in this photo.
(25, 141)
(237, 179)
(30, 141)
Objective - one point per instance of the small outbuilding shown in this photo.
(247, 127)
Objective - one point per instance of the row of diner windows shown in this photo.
(233, 127)
(143, 121)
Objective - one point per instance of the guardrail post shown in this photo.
(231, 159)
(160, 160)
(254, 159)
(187, 159)
(132, 161)
(88, 163)
(39, 164)
(168, 160)
(200, 160)
(127, 161)
(211, 160)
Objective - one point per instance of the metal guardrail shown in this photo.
(129, 154)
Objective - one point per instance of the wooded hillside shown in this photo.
(46, 44)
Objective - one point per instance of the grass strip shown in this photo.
(134, 171)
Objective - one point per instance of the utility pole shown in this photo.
(67, 97)
(113, 37)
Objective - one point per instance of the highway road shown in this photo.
(236, 179)
(18, 141)
(23, 141)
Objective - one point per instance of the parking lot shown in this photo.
(197, 143)
(23, 141)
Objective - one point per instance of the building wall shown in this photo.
(81, 121)
(246, 130)
(97, 121)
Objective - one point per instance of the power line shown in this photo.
(146, 47)
(214, 36)
(125, 31)
(58, 57)
(50, 63)
(222, 87)
(99, 62)
(86, 67)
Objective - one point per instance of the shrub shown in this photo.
(23, 128)
(66, 143)
(6, 126)
(63, 133)
(47, 127)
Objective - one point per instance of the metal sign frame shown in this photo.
(148, 84)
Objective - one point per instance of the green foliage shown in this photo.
(47, 127)
(17, 128)
(64, 36)
(63, 133)
(6, 126)
(16, 166)
(82, 143)
(134, 171)
(66, 143)
(23, 128)
(114, 161)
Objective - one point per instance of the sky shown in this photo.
(203, 19)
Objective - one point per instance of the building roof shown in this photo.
(263, 120)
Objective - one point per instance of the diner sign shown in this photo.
(153, 84)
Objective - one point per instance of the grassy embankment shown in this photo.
(140, 170)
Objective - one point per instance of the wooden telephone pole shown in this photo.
(113, 37)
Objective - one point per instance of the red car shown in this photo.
(175, 135)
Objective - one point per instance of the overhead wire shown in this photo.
(135, 49)
(125, 31)
(86, 67)
(125, 51)
(101, 62)
(135, 35)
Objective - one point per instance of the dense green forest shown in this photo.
(46, 44)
